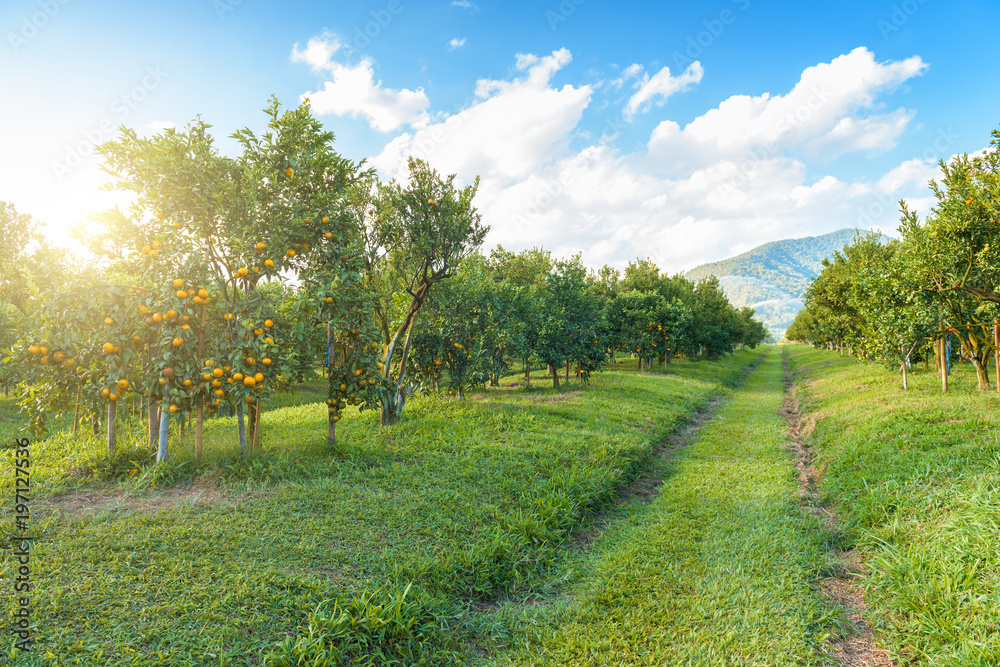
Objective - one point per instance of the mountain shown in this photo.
(772, 278)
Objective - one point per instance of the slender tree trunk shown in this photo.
(944, 366)
(200, 412)
(996, 350)
(76, 410)
(567, 370)
(256, 427)
(902, 349)
(251, 426)
(112, 428)
(527, 372)
(241, 423)
(161, 453)
(555, 380)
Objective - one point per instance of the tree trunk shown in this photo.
(198, 422)
(944, 367)
(256, 427)
(996, 350)
(461, 393)
(567, 370)
(112, 428)
(76, 410)
(902, 349)
(161, 453)
(555, 380)
(251, 426)
(198, 429)
(982, 372)
(331, 431)
(242, 428)
(527, 372)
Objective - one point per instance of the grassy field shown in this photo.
(915, 476)
(716, 570)
(425, 543)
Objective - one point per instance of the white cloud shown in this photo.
(739, 175)
(455, 43)
(464, 4)
(511, 130)
(353, 91)
(659, 87)
(819, 114)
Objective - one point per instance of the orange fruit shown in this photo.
(105, 393)
(159, 215)
(261, 245)
(170, 314)
(243, 271)
(181, 294)
(113, 397)
(325, 219)
(249, 381)
(157, 317)
(203, 293)
(269, 263)
(258, 377)
(108, 348)
(179, 283)
(291, 253)
(188, 383)
(177, 342)
(268, 323)
(289, 172)
(108, 321)
(217, 372)
(163, 380)
(174, 408)
(220, 392)
(216, 383)
(123, 384)
(328, 235)
(237, 376)
(265, 361)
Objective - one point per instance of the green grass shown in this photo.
(406, 544)
(916, 478)
(716, 570)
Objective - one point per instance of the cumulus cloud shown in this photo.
(658, 88)
(456, 43)
(353, 91)
(741, 174)
(509, 130)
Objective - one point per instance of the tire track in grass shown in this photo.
(856, 647)
(717, 570)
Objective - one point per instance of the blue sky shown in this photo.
(685, 132)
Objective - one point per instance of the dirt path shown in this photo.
(647, 485)
(857, 647)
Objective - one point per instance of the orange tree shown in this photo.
(569, 321)
(414, 237)
(457, 320)
(242, 221)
